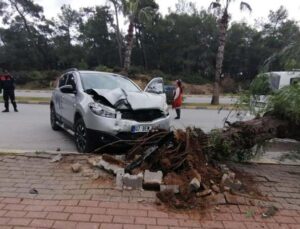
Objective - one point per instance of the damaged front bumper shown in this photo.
(114, 129)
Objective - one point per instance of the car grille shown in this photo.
(142, 115)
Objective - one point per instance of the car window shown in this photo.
(107, 81)
(71, 80)
(62, 81)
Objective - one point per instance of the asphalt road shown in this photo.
(187, 98)
(30, 128)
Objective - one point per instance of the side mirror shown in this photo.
(68, 89)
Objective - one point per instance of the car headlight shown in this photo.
(166, 109)
(102, 110)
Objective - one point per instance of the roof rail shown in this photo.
(70, 70)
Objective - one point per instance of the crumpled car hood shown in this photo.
(137, 100)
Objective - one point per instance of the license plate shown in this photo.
(140, 129)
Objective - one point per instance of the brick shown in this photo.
(88, 203)
(294, 226)
(212, 224)
(82, 225)
(145, 220)
(92, 210)
(111, 226)
(221, 216)
(188, 223)
(168, 222)
(123, 219)
(14, 207)
(11, 200)
(34, 208)
(278, 226)
(132, 226)
(36, 215)
(42, 223)
(108, 205)
(54, 208)
(80, 217)
(16, 214)
(253, 225)
(102, 218)
(128, 205)
(69, 202)
(158, 214)
(156, 227)
(64, 225)
(116, 212)
(3, 212)
(4, 221)
(19, 222)
(50, 202)
(75, 209)
(284, 219)
(58, 216)
(137, 212)
(234, 225)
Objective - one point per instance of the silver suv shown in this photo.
(100, 108)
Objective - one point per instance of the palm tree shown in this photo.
(136, 11)
(224, 18)
(117, 6)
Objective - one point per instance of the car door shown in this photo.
(69, 101)
(58, 96)
(155, 86)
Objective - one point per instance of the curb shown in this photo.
(183, 106)
(35, 152)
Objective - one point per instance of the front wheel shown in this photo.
(83, 139)
(53, 119)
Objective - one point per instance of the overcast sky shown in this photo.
(260, 8)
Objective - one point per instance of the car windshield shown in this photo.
(107, 81)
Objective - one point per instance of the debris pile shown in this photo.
(175, 164)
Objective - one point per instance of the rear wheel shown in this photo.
(53, 118)
(83, 138)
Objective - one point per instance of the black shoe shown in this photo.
(16, 110)
(177, 118)
(5, 111)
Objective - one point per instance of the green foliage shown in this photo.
(35, 79)
(260, 85)
(102, 68)
(285, 103)
(181, 44)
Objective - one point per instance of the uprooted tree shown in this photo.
(183, 156)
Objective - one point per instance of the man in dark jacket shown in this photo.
(8, 87)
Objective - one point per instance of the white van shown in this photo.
(277, 80)
(280, 79)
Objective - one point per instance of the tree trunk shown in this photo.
(129, 45)
(119, 39)
(219, 61)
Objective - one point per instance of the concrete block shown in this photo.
(174, 188)
(133, 181)
(152, 179)
(195, 184)
(110, 167)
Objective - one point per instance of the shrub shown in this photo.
(260, 85)
(285, 103)
(229, 85)
(103, 68)
(134, 70)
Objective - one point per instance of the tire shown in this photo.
(53, 119)
(83, 139)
